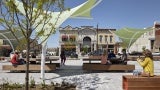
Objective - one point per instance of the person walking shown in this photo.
(63, 57)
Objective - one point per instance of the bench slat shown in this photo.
(98, 66)
(31, 67)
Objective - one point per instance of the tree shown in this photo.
(38, 19)
(29, 18)
(22, 45)
(85, 49)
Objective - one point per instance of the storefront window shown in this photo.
(106, 37)
(100, 38)
(111, 39)
(64, 38)
(72, 38)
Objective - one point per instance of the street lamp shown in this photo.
(97, 36)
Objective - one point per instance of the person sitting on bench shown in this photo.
(111, 55)
(124, 57)
(15, 59)
(104, 58)
(147, 63)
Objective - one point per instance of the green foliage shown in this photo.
(1, 20)
(85, 49)
(43, 85)
(6, 85)
(11, 5)
(32, 82)
(143, 48)
(22, 44)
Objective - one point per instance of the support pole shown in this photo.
(43, 56)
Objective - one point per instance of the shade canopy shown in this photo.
(129, 35)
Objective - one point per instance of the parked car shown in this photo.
(71, 54)
(74, 55)
(96, 53)
(156, 53)
(136, 53)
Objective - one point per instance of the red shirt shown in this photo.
(103, 59)
(14, 59)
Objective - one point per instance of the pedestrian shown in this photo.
(63, 57)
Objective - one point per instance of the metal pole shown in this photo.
(97, 36)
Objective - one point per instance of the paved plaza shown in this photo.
(72, 72)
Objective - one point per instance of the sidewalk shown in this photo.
(72, 72)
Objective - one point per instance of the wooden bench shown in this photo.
(35, 67)
(92, 58)
(131, 82)
(98, 66)
(134, 58)
(34, 61)
(38, 59)
(57, 64)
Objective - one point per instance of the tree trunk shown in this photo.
(27, 67)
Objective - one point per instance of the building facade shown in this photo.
(78, 38)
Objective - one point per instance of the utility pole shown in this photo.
(97, 36)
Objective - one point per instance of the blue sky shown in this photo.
(115, 14)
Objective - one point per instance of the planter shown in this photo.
(38, 87)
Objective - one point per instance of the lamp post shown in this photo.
(97, 36)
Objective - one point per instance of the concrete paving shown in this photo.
(72, 73)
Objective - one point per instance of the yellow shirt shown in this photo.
(147, 65)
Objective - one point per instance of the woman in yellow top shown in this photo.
(147, 63)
